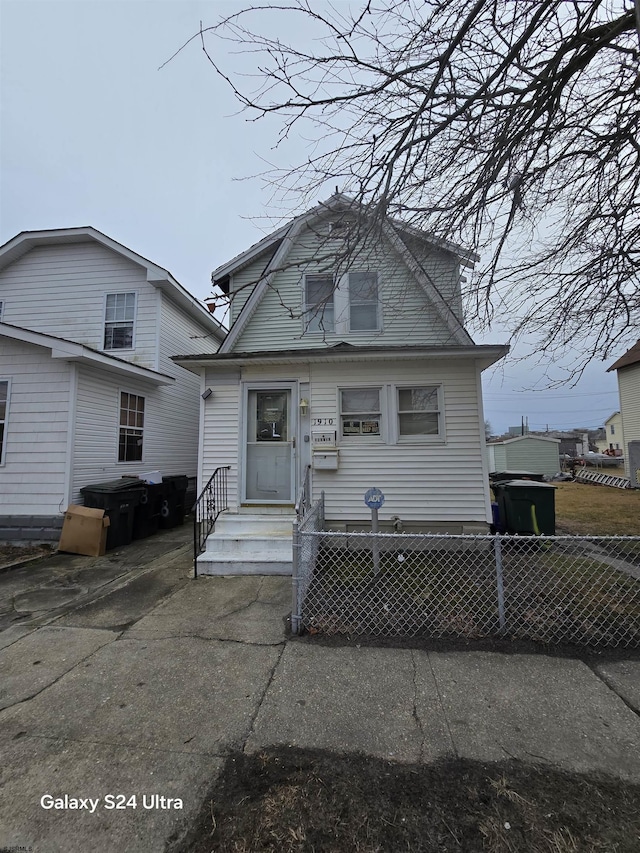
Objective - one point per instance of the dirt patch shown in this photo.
(10, 554)
(285, 800)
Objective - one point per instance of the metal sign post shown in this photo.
(374, 499)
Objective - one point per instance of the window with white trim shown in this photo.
(360, 412)
(4, 405)
(364, 307)
(419, 411)
(613, 429)
(319, 313)
(119, 320)
(131, 427)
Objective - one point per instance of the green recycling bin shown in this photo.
(526, 508)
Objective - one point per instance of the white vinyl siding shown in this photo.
(629, 389)
(405, 314)
(221, 442)
(33, 475)
(60, 290)
(438, 483)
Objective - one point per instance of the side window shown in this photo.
(613, 429)
(119, 320)
(319, 313)
(360, 411)
(4, 411)
(419, 411)
(364, 308)
(131, 428)
(1, 309)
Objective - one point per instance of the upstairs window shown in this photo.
(319, 313)
(119, 321)
(1, 309)
(4, 404)
(364, 312)
(419, 411)
(360, 411)
(131, 428)
(613, 429)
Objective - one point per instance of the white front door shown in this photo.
(270, 446)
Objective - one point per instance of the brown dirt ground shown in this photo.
(10, 554)
(289, 800)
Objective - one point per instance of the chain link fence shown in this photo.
(551, 589)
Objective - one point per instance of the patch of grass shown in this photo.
(587, 509)
(285, 800)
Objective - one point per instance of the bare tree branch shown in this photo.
(511, 127)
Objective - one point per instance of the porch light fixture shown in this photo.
(206, 394)
(304, 406)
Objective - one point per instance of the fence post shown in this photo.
(295, 567)
(497, 544)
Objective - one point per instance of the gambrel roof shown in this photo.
(279, 244)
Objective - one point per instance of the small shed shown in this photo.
(533, 453)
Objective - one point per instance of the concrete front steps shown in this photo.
(249, 544)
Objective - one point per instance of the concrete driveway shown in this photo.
(135, 695)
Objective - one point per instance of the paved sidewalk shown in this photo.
(112, 699)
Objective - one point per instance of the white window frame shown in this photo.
(359, 438)
(5, 421)
(613, 429)
(134, 322)
(347, 291)
(311, 314)
(122, 427)
(438, 438)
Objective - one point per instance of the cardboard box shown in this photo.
(84, 531)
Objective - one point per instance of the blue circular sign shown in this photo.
(373, 498)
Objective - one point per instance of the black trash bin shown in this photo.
(147, 517)
(526, 508)
(173, 507)
(119, 499)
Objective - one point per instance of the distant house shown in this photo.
(88, 391)
(532, 453)
(345, 378)
(613, 441)
(628, 371)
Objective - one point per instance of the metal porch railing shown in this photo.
(211, 502)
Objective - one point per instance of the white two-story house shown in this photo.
(347, 366)
(88, 390)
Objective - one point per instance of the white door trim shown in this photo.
(247, 386)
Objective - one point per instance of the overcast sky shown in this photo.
(93, 133)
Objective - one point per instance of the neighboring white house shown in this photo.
(358, 371)
(533, 453)
(88, 391)
(628, 371)
(613, 443)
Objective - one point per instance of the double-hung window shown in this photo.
(360, 412)
(319, 310)
(419, 411)
(119, 320)
(131, 427)
(4, 405)
(364, 309)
